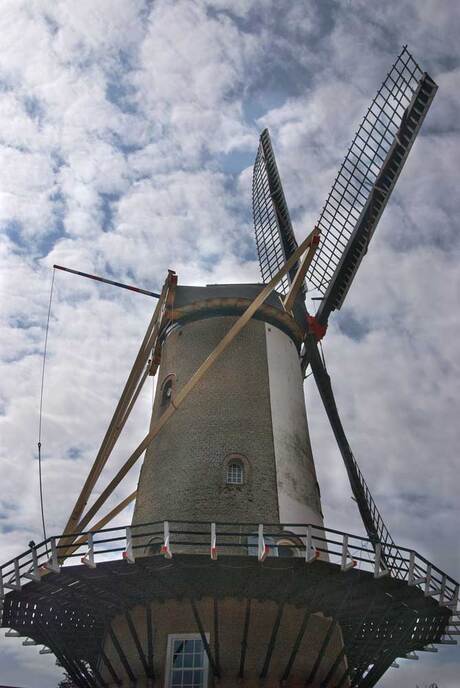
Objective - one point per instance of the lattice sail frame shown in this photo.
(273, 229)
(367, 177)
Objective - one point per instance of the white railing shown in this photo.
(307, 542)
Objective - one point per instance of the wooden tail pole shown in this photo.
(129, 394)
(130, 287)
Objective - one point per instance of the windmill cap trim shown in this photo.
(215, 300)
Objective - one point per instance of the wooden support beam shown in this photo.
(344, 677)
(98, 675)
(212, 662)
(195, 378)
(326, 683)
(89, 677)
(271, 643)
(55, 643)
(216, 632)
(244, 642)
(71, 669)
(97, 526)
(120, 416)
(121, 655)
(107, 603)
(378, 669)
(134, 398)
(74, 670)
(116, 679)
(323, 648)
(296, 646)
(149, 622)
(384, 654)
(137, 642)
(360, 663)
(302, 271)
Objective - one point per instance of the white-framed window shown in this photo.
(235, 473)
(186, 661)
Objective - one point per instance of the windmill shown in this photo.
(227, 571)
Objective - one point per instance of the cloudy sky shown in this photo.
(128, 129)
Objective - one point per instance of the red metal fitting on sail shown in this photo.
(316, 328)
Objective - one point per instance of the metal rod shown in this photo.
(107, 281)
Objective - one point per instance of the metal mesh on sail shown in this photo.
(357, 177)
(274, 234)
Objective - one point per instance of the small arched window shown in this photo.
(167, 391)
(235, 473)
(286, 548)
(153, 546)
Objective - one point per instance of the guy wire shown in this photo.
(41, 409)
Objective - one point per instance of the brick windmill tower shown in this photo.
(227, 575)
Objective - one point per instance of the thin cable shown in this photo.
(41, 409)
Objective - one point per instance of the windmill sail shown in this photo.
(376, 529)
(366, 179)
(274, 234)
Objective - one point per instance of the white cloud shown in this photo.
(119, 124)
(27, 184)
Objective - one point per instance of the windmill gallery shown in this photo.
(227, 574)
